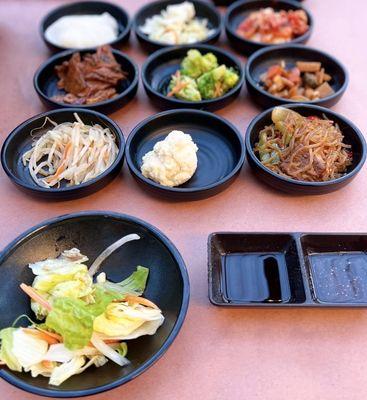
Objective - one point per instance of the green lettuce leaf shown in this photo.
(6, 352)
(72, 320)
(134, 284)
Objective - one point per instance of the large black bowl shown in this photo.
(352, 136)
(45, 83)
(260, 61)
(239, 10)
(160, 66)
(220, 156)
(20, 140)
(92, 232)
(86, 8)
(203, 11)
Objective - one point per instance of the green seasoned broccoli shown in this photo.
(217, 82)
(184, 88)
(195, 64)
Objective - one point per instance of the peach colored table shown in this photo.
(220, 354)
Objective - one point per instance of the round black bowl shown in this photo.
(352, 136)
(225, 3)
(92, 232)
(220, 156)
(85, 8)
(20, 140)
(203, 11)
(45, 83)
(160, 66)
(238, 11)
(260, 61)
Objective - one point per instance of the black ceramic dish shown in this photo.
(85, 8)
(287, 269)
(220, 155)
(160, 66)
(239, 10)
(92, 232)
(352, 136)
(203, 11)
(225, 3)
(20, 140)
(45, 83)
(260, 61)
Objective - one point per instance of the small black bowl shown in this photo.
(352, 136)
(220, 156)
(238, 11)
(160, 66)
(45, 83)
(92, 232)
(226, 3)
(203, 11)
(86, 8)
(260, 61)
(20, 140)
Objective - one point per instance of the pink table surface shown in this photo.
(220, 353)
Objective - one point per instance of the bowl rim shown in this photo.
(295, 182)
(58, 191)
(10, 248)
(178, 190)
(239, 3)
(256, 86)
(133, 85)
(122, 35)
(202, 47)
(142, 36)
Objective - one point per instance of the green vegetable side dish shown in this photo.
(81, 322)
(201, 78)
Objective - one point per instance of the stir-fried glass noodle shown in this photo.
(303, 148)
(71, 151)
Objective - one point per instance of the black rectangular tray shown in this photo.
(287, 269)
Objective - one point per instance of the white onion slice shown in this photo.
(110, 249)
(107, 351)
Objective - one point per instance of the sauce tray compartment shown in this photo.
(255, 269)
(287, 269)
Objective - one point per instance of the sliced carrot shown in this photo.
(47, 364)
(51, 334)
(140, 300)
(62, 166)
(41, 335)
(35, 296)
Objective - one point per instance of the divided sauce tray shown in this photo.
(287, 269)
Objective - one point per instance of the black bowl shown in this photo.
(220, 156)
(85, 8)
(260, 61)
(45, 83)
(20, 140)
(225, 3)
(92, 232)
(352, 136)
(160, 66)
(203, 11)
(238, 11)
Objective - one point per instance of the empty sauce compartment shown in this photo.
(337, 267)
(254, 269)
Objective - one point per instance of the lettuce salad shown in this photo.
(80, 321)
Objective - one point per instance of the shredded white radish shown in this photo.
(71, 151)
(108, 351)
(110, 249)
